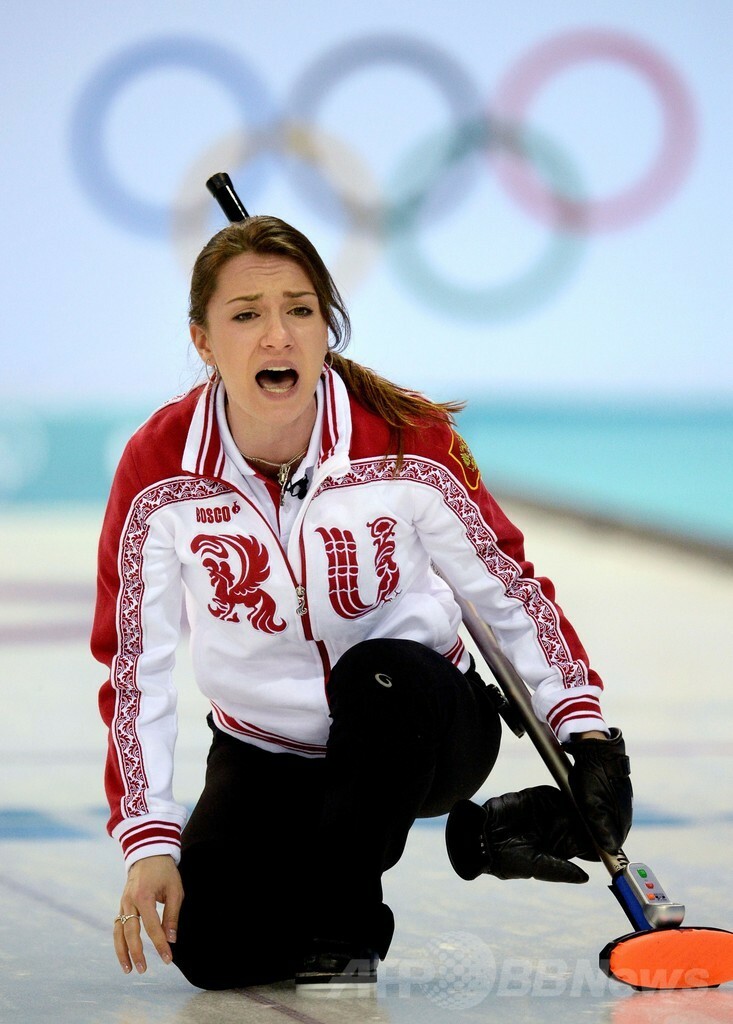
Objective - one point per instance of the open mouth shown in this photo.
(277, 380)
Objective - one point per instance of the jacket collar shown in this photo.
(204, 453)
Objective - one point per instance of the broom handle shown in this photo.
(516, 692)
(221, 188)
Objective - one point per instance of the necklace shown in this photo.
(283, 468)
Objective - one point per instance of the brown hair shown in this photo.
(270, 236)
(267, 236)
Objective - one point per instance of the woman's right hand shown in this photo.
(150, 881)
(529, 834)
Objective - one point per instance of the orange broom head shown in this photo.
(671, 958)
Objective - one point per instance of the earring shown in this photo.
(212, 371)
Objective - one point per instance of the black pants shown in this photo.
(282, 849)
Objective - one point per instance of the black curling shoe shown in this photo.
(337, 966)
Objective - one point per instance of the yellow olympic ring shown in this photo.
(192, 207)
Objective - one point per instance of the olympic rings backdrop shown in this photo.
(518, 202)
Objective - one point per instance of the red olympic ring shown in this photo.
(679, 136)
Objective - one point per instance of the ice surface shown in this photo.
(657, 623)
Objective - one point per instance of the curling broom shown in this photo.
(658, 953)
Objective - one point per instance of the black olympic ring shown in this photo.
(397, 219)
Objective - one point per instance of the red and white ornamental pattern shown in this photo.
(523, 589)
(130, 631)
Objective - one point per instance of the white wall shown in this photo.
(94, 302)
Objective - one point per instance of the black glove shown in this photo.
(601, 786)
(529, 834)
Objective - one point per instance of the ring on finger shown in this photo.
(123, 918)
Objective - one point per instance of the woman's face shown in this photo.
(266, 334)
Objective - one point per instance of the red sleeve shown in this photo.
(134, 634)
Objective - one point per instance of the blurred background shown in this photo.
(526, 205)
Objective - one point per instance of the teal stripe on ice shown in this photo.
(669, 468)
(666, 468)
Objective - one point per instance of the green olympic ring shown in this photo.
(559, 260)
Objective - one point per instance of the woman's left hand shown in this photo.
(601, 786)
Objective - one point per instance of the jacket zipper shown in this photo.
(302, 611)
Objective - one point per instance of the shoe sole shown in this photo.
(324, 989)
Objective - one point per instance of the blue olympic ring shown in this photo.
(87, 137)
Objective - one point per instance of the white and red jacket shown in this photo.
(268, 619)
